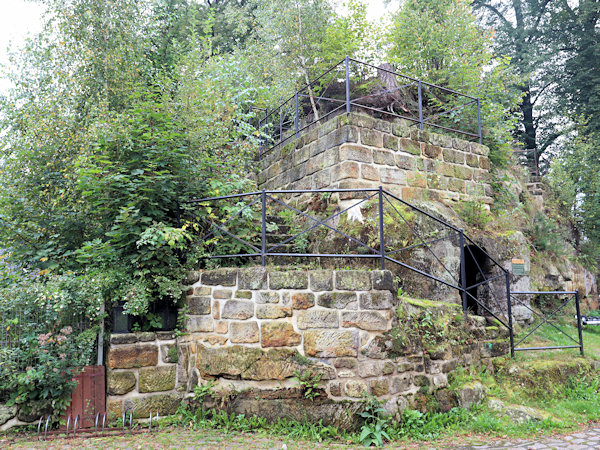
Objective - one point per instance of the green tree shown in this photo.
(439, 41)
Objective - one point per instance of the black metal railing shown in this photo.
(387, 217)
(353, 85)
(572, 297)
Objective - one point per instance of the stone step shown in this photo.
(536, 192)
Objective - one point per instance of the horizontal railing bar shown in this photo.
(238, 255)
(224, 197)
(422, 212)
(304, 191)
(325, 255)
(489, 280)
(410, 78)
(554, 347)
(542, 292)
(324, 98)
(474, 102)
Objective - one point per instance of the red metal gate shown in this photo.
(89, 397)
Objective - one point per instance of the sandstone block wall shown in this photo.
(255, 329)
(359, 151)
(142, 374)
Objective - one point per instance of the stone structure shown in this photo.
(142, 374)
(254, 330)
(358, 151)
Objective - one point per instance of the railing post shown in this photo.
(479, 121)
(420, 106)
(509, 313)
(381, 233)
(347, 84)
(463, 272)
(263, 240)
(579, 322)
(296, 119)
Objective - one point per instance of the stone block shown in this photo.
(141, 408)
(267, 297)
(123, 338)
(352, 280)
(479, 149)
(383, 157)
(392, 175)
(222, 327)
(314, 164)
(461, 145)
(198, 305)
(291, 279)
(377, 300)
(372, 138)
(420, 135)
(471, 394)
(401, 383)
(456, 185)
(318, 319)
(222, 293)
(120, 383)
(238, 309)
(382, 280)
(130, 356)
(220, 277)
(165, 335)
(169, 353)
(368, 172)
(406, 162)
(331, 157)
(463, 172)
(200, 324)
(412, 193)
(279, 334)
(243, 332)
(344, 363)
(445, 169)
(272, 311)
(157, 379)
(193, 276)
(400, 129)
(303, 300)
(380, 387)
(416, 179)
(337, 300)
(114, 409)
(216, 311)
(472, 160)
(453, 156)
(330, 343)
(350, 152)
(432, 151)
(253, 278)
(484, 162)
(243, 294)
(335, 389)
(365, 320)
(370, 368)
(388, 368)
(355, 388)
(321, 179)
(391, 142)
(320, 280)
(345, 170)
(410, 146)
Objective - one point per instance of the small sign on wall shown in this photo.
(518, 266)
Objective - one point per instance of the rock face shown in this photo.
(471, 394)
(7, 413)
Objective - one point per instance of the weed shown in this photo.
(376, 425)
(309, 381)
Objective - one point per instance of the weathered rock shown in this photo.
(380, 387)
(198, 305)
(317, 319)
(279, 334)
(243, 332)
(321, 280)
(146, 336)
(352, 280)
(446, 399)
(200, 324)
(288, 280)
(344, 363)
(238, 309)
(120, 383)
(165, 404)
(157, 379)
(365, 320)
(330, 343)
(267, 297)
(382, 280)
(338, 300)
(222, 327)
(127, 357)
(303, 300)
(222, 294)
(355, 388)
(395, 407)
(401, 383)
(253, 278)
(123, 338)
(517, 413)
(220, 277)
(377, 300)
(7, 413)
(370, 368)
(471, 394)
(272, 311)
(169, 353)
(243, 294)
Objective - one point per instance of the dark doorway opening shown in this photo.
(476, 266)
